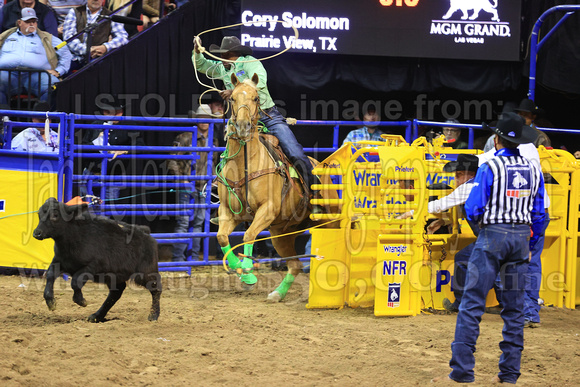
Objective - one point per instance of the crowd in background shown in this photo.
(32, 32)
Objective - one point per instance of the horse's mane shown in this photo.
(250, 83)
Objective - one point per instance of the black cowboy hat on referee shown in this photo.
(230, 44)
(463, 163)
(512, 128)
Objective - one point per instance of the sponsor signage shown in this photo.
(455, 29)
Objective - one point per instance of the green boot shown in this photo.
(246, 265)
(285, 285)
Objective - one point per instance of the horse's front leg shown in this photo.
(263, 217)
(226, 227)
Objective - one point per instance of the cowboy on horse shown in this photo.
(244, 67)
(261, 184)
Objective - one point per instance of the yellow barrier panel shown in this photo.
(372, 258)
(21, 194)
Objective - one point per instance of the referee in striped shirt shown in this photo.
(507, 198)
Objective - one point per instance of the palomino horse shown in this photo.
(252, 189)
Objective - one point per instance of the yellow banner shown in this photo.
(21, 194)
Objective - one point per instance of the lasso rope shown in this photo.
(203, 50)
(106, 200)
(225, 265)
(218, 171)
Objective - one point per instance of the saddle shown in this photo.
(272, 144)
(283, 166)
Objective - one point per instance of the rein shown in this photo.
(248, 208)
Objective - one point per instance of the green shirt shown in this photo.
(246, 70)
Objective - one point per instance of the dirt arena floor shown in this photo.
(210, 333)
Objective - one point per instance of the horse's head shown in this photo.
(245, 106)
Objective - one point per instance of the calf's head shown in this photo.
(52, 217)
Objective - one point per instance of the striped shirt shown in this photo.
(527, 151)
(508, 189)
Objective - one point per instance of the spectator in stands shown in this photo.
(12, 11)
(216, 104)
(369, 132)
(62, 8)
(133, 11)
(106, 37)
(183, 168)
(528, 110)
(29, 47)
(112, 107)
(35, 139)
(453, 134)
(151, 11)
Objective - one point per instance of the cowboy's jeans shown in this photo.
(182, 226)
(504, 249)
(460, 271)
(279, 128)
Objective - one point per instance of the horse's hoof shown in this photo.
(51, 304)
(153, 316)
(248, 287)
(274, 297)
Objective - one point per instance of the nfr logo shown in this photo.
(394, 267)
(399, 3)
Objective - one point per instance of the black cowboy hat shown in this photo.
(107, 104)
(41, 106)
(463, 163)
(230, 44)
(512, 128)
(527, 105)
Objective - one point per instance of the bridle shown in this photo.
(253, 117)
(242, 142)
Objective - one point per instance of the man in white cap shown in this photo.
(27, 46)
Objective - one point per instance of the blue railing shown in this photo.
(537, 45)
(70, 152)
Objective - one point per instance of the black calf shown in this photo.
(95, 248)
